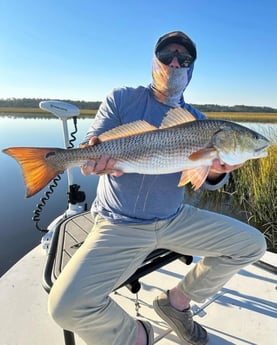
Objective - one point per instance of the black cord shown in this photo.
(42, 203)
(72, 134)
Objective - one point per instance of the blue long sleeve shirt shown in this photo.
(136, 198)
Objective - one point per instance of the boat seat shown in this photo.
(68, 236)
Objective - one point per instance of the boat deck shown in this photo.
(244, 312)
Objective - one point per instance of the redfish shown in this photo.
(180, 144)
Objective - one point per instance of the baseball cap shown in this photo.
(176, 37)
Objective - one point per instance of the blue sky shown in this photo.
(81, 50)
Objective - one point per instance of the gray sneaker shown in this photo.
(149, 331)
(181, 322)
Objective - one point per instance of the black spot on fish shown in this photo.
(49, 154)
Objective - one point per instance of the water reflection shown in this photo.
(17, 231)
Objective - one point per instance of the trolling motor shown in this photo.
(64, 111)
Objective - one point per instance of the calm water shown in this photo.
(18, 233)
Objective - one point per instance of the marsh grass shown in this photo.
(243, 117)
(256, 194)
(250, 194)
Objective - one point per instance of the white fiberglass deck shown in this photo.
(243, 313)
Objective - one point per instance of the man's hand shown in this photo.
(105, 165)
(217, 169)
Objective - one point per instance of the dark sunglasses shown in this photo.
(166, 56)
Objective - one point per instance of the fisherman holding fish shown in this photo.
(137, 211)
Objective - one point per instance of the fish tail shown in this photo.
(37, 171)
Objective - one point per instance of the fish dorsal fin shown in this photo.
(176, 116)
(126, 130)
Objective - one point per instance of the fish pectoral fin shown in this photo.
(206, 153)
(196, 176)
(126, 130)
(175, 117)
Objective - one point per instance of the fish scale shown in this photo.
(147, 152)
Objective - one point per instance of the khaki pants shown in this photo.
(79, 300)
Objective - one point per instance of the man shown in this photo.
(136, 214)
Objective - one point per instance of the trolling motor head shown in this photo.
(62, 110)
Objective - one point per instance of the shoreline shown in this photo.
(4, 111)
(86, 113)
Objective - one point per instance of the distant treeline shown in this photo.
(93, 105)
(234, 108)
(34, 103)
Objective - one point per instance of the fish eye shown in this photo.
(49, 154)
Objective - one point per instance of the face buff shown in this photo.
(169, 83)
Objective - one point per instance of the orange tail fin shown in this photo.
(37, 172)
